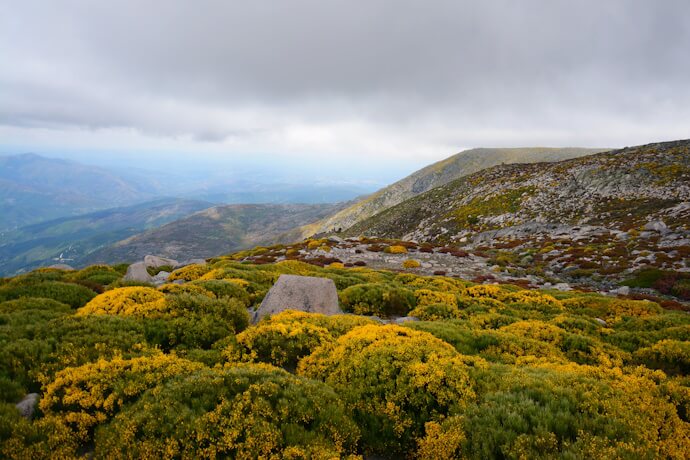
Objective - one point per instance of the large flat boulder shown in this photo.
(138, 272)
(302, 293)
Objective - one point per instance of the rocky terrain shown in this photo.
(435, 175)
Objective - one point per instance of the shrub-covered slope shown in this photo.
(613, 213)
(490, 371)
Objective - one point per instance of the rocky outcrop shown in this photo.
(302, 293)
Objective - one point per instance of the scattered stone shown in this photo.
(302, 293)
(404, 319)
(137, 272)
(27, 406)
(65, 267)
(656, 226)
(161, 277)
(623, 290)
(156, 261)
(600, 321)
(563, 287)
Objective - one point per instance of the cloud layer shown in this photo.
(382, 80)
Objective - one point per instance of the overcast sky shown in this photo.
(388, 84)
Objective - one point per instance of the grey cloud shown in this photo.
(535, 65)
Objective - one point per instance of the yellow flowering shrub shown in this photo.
(396, 249)
(394, 380)
(435, 283)
(671, 356)
(243, 412)
(89, 395)
(46, 438)
(280, 344)
(127, 301)
(483, 290)
(537, 330)
(428, 297)
(532, 298)
(435, 312)
(313, 244)
(186, 288)
(442, 440)
(336, 325)
(411, 263)
(189, 272)
(337, 265)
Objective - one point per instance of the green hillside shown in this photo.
(489, 371)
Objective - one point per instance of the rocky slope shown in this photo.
(605, 215)
(214, 231)
(437, 174)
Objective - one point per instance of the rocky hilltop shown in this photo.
(606, 214)
(435, 175)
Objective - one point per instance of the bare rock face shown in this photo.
(27, 406)
(155, 261)
(302, 293)
(137, 272)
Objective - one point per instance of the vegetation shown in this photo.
(489, 371)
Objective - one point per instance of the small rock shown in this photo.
(623, 290)
(27, 406)
(563, 287)
(656, 226)
(404, 319)
(600, 321)
(137, 272)
(156, 261)
(161, 277)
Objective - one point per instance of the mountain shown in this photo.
(71, 239)
(214, 231)
(609, 213)
(34, 189)
(437, 174)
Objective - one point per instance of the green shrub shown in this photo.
(249, 411)
(435, 311)
(71, 294)
(671, 356)
(226, 289)
(377, 299)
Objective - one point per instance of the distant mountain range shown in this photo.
(35, 189)
(214, 231)
(71, 239)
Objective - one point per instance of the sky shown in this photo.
(360, 91)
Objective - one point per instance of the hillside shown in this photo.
(437, 174)
(419, 367)
(71, 239)
(613, 212)
(34, 189)
(214, 231)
